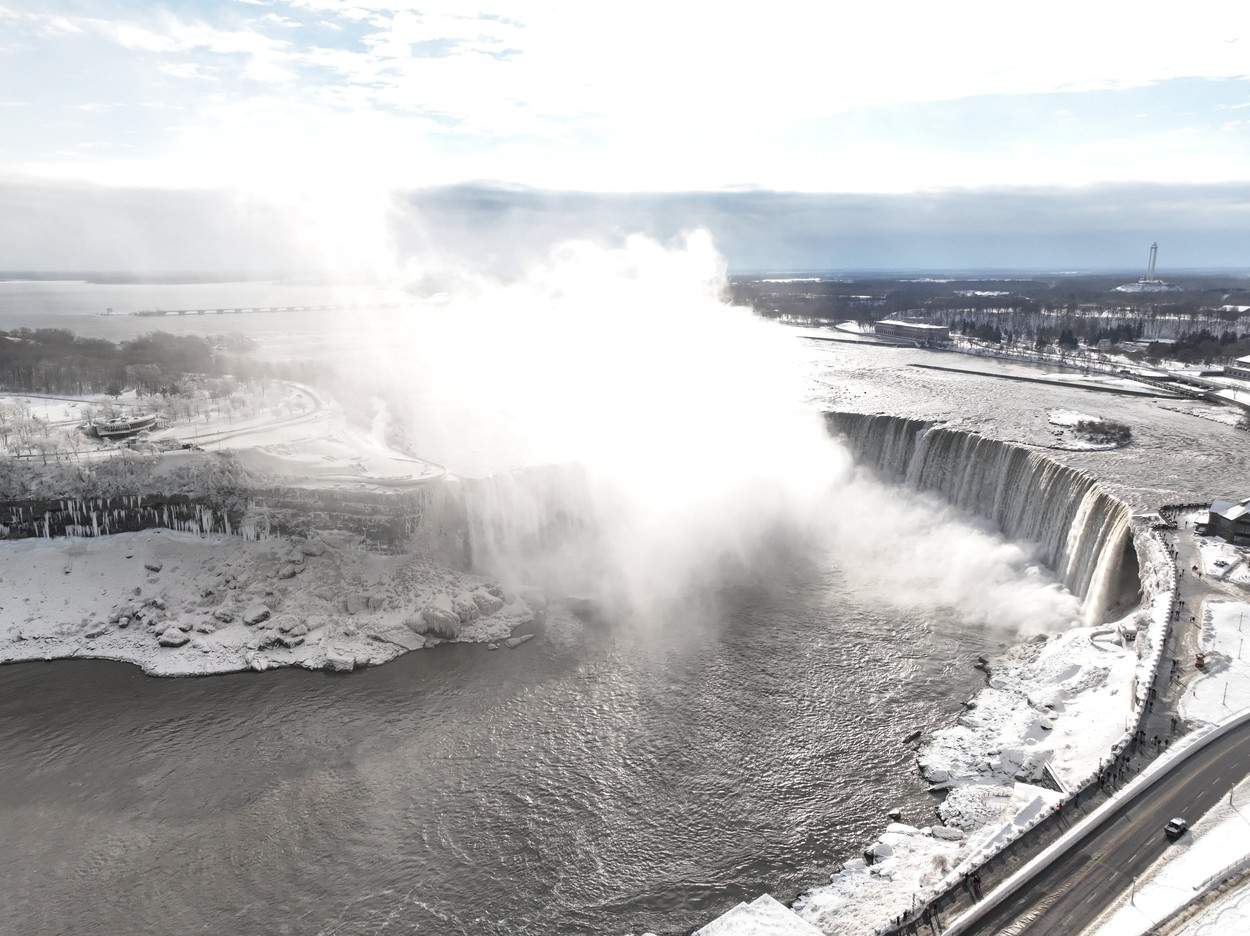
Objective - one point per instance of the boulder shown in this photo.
(269, 638)
(339, 661)
(154, 565)
(290, 641)
(181, 623)
(255, 614)
(124, 621)
(438, 620)
(465, 608)
(356, 603)
(289, 570)
(172, 637)
(225, 615)
(514, 642)
(98, 631)
(312, 548)
(487, 603)
(375, 601)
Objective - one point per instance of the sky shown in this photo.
(348, 108)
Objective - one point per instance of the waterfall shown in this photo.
(1082, 532)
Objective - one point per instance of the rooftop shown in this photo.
(1231, 510)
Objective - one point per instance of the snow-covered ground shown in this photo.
(1224, 561)
(1226, 415)
(178, 604)
(1224, 686)
(1226, 916)
(1216, 844)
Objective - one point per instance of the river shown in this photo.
(595, 780)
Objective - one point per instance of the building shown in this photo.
(1240, 368)
(912, 331)
(1149, 283)
(1231, 521)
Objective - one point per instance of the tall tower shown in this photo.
(1150, 265)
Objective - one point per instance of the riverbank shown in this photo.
(1056, 707)
(180, 604)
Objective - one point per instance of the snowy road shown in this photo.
(1075, 889)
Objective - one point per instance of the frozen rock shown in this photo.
(181, 624)
(154, 565)
(947, 833)
(465, 607)
(269, 638)
(255, 614)
(486, 602)
(375, 601)
(172, 637)
(312, 548)
(290, 625)
(437, 618)
(225, 615)
(124, 621)
(513, 642)
(290, 640)
(289, 570)
(339, 661)
(354, 604)
(98, 631)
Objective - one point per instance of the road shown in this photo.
(1070, 894)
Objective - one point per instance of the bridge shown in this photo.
(259, 310)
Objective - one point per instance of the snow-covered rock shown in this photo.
(255, 614)
(173, 637)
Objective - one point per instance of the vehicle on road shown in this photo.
(1175, 828)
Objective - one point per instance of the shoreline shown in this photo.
(183, 604)
(1036, 734)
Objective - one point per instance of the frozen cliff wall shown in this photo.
(1081, 530)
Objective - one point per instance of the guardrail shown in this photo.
(1139, 786)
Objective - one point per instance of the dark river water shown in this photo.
(599, 779)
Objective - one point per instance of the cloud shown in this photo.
(505, 230)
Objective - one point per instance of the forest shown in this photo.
(56, 361)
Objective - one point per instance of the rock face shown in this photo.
(172, 637)
(255, 614)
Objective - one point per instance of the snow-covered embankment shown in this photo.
(179, 604)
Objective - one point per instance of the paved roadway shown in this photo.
(1069, 895)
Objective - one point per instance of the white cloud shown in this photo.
(653, 94)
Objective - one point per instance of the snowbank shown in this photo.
(763, 916)
(178, 604)
(1224, 686)
(1222, 560)
(1229, 914)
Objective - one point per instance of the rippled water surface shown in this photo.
(596, 780)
